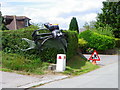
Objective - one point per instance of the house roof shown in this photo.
(13, 22)
(17, 17)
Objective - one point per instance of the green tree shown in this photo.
(105, 30)
(89, 25)
(0, 20)
(2, 25)
(86, 26)
(74, 25)
(110, 16)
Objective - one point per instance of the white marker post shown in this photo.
(61, 62)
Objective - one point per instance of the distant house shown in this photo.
(16, 22)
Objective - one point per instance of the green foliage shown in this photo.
(90, 25)
(106, 30)
(49, 54)
(97, 41)
(117, 41)
(74, 25)
(0, 20)
(110, 15)
(2, 25)
(82, 43)
(11, 40)
(20, 63)
(72, 39)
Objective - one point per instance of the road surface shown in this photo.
(105, 77)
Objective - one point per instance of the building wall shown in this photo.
(20, 24)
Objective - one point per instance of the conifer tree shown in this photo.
(74, 25)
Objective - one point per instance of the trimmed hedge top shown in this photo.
(97, 41)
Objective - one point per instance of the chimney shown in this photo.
(14, 19)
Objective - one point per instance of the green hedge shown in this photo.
(12, 38)
(117, 41)
(97, 41)
(72, 39)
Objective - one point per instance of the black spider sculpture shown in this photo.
(40, 39)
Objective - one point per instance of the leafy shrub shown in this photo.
(82, 43)
(97, 41)
(106, 30)
(117, 41)
(11, 38)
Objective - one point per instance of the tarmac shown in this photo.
(14, 80)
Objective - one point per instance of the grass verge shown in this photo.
(19, 64)
(15, 62)
(78, 65)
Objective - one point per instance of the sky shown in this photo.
(54, 11)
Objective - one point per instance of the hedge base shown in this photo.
(106, 52)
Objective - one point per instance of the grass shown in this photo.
(6, 70)
(19, 64)
(78, 66)
(14, 62)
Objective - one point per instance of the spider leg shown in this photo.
(31, 44)
(64, 43)
(44, 40)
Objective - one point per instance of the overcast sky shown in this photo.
(53, 11)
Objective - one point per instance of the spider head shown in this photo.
(52, 27)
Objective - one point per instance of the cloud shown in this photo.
(78, 13)
(28, 1)
(89, 17)
(54, 11)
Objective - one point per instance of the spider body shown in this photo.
(40, 39)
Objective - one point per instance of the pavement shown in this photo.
(13, 80)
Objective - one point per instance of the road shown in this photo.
(105, 77)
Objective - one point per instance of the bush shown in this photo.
(97, 41)
(82, 43)
(11, 38)
(117, 41)
(106, 30)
